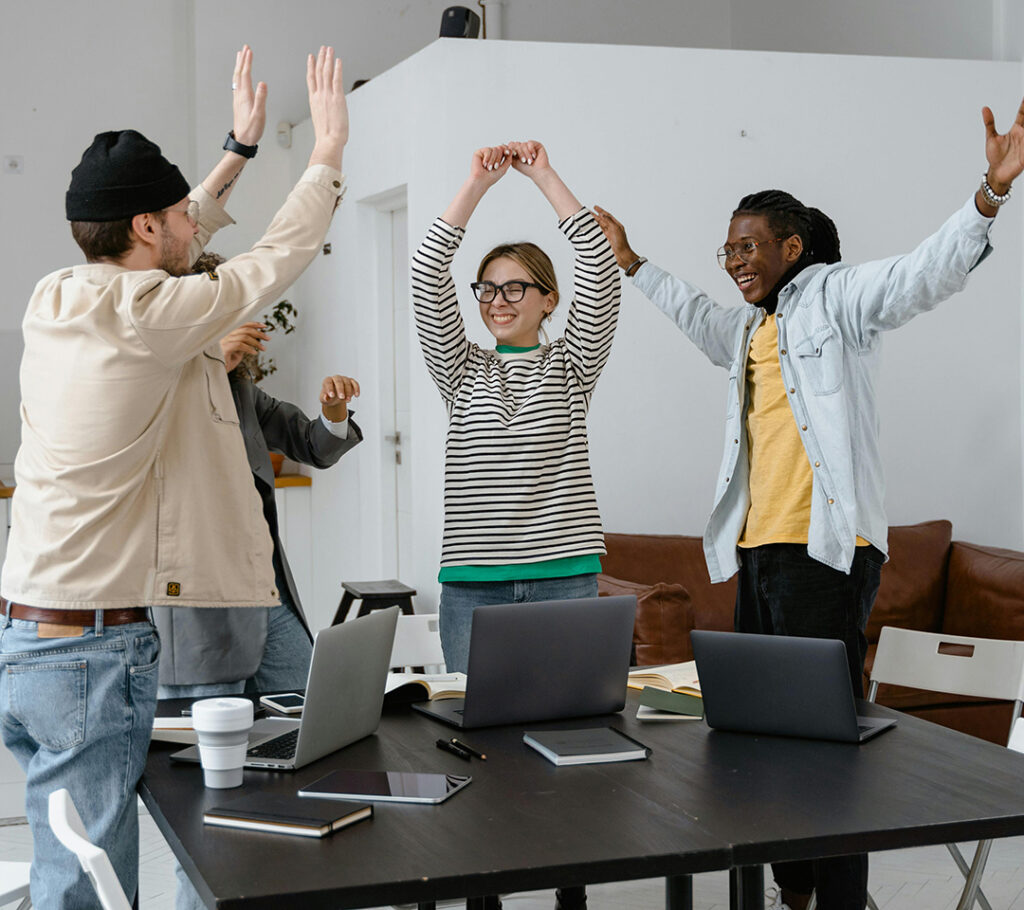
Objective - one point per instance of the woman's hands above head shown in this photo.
(529, 157)
(490, 164)
(249, 106)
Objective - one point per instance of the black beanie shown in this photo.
(122, 174)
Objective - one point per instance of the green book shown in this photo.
(673, 702)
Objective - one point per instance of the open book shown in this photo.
(674, 677)
(409, 687)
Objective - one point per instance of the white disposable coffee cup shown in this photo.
(222, 726)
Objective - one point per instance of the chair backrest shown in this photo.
(1016, 741)
(956, 664)
(14, 883)
(67, 827)
(418, 643)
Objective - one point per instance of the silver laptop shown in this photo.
(344, 697)
(779, 684)
(548, 660)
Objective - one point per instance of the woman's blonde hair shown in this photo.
(531, 257)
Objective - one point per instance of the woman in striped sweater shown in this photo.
(521, 521)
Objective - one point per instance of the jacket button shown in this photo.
(831, 502)
(736, 441)
(783, 351)
(803, 426)
(337, 183)
(726, 479)
(792, 391)
(817, 464)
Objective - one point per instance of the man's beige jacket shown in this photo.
(133, 487)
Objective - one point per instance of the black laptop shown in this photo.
(548, 660)
(779, 684)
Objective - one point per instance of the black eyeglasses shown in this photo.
(742, 251)
(512, 291)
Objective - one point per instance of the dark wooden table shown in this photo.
(703, 801)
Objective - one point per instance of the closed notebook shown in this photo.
(282, 814)
(587, 746)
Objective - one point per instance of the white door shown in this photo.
(393, 247)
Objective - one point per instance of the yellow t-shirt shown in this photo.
(780, 474)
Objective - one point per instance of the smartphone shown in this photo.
(286, 703)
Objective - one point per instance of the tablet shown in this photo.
(387, 786)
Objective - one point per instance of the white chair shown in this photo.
(418, 643)
(67, 826)
(958, 665)
(14, 884)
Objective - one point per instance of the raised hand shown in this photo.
(490, 164)
(335, 394)
(1005, 153)
(327, 107)
(616, 234)
(529, 157)
(250, 107)
(248, 338)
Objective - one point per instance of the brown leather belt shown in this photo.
(117, 617)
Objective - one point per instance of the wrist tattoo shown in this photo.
(227, 186)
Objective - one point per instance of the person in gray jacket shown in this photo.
(264, 649)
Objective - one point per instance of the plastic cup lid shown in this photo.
(215, 714)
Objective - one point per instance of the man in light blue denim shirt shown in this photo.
(799, 500)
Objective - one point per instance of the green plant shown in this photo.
(281, 318)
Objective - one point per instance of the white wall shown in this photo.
(862, 141)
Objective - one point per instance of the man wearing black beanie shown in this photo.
(131, 459)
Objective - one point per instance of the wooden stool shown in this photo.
(374, 595)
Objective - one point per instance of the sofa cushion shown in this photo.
(912, 593)
(673, 559)
(661, 633)
(985, 592)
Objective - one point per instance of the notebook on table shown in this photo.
(547, 660)
(781, 685)
(344, 697)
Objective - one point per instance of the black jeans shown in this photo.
(783, 591)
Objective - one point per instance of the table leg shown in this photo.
(426, 905)
(679, 892)
(490, 902)
(746, 888)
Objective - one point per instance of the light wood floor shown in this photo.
(920, 879)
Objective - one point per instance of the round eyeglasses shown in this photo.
(512, 291)
(742, 251)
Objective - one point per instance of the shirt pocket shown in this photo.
(222, 402)
(820, 356)
(48, 699)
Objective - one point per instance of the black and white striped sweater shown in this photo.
(518, 487)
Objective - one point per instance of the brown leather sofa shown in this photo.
(930, 582)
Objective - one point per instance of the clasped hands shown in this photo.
(491, 163)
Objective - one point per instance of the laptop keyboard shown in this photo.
(282, 746)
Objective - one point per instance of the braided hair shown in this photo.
(787, 215)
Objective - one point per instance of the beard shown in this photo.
(174, 256)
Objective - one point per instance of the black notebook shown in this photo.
(586, 746)
(280, 814)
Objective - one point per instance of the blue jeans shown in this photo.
(460, 598)
(78, 713)
(284, 666)
(783, 591)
